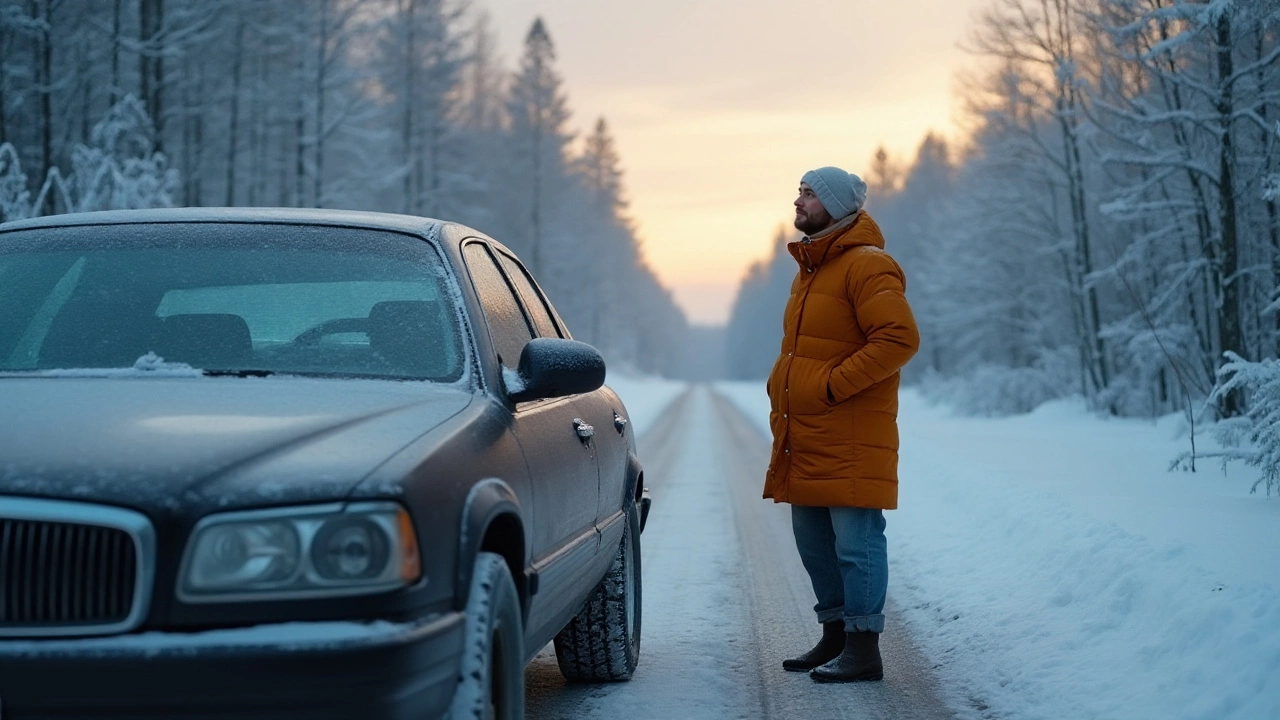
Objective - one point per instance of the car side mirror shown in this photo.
(552, 367)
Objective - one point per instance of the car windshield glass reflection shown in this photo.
(242, 300)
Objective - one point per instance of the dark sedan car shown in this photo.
(294, 464)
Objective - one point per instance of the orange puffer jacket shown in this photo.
(847, 331)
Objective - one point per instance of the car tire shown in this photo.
(491, 675)
(602, 642)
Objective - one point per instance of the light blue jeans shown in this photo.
(847, 557)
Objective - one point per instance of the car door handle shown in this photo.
(585, 431)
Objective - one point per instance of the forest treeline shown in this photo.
(391, 105)
(1110, 228)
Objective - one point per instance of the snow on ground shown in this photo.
(645, 397)
(1055, 568)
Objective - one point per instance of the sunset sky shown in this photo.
(719, 106)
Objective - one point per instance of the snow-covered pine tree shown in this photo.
(610, 251)
(601, 168)
(538, 112)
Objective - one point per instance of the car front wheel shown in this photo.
(491, 678)
(602, 642)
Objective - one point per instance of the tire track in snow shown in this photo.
(782, 607)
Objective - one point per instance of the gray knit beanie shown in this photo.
(841, 194)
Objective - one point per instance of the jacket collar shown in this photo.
(834, 230)
(857, 229)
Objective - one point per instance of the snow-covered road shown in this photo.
(725, 597)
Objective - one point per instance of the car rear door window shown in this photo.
(508, 327)
(533, 302)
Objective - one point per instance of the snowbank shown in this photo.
(1054, 568)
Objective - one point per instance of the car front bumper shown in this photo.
(292, 670)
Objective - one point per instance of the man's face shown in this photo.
(811, 217)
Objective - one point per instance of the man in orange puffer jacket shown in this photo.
(847, 331)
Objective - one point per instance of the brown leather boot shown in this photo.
(859, 662)
(827, 649)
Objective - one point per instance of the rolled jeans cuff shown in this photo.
(830, 615)
(864, 623)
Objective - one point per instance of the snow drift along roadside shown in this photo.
(1054, 568)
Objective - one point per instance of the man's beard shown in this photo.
(811, 224)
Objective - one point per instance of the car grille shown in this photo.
(61, 574)
(63, 577)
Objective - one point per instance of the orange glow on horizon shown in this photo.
(718, 108)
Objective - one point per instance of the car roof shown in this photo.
(302, 216)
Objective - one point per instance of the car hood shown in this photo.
(196, 444)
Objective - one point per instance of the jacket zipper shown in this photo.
(786, 388)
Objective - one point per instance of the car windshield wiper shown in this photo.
(239, 373)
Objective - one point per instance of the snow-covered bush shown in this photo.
(1156, 364)
(1255, 436)
(991, 390)
(15, 199)
(120, 169)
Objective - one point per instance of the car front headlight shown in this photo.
(300, 552)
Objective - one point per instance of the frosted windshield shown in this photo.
(228, 299)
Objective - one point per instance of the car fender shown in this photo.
(635, 474)
(491, 503)
(636, 491)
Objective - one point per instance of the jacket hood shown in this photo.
(857, 229)
(203, 444)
